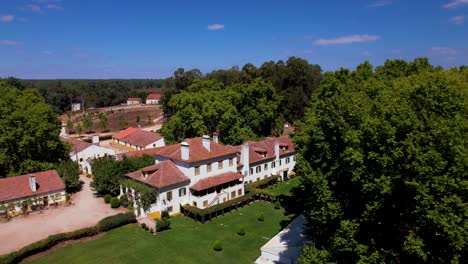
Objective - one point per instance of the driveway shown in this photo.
(86, 211)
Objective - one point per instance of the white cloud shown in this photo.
(380, 3)
(455, 3)
(457, 20)
(10, 42)
(346, 40)
(442, 51)
(215, 27)
(7, 18)
(52, 6)
(34, 8)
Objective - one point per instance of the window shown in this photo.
(208, 167)
(81, 159)
(194, 204)
(239, 192)
(205, 203)
(273, 164)
(197, 170)
(233, 194)
(231, 161)
(154, 145)
(280, 162)
(220, 164)
(169, 196)
(265, 167)
(58, 196)
(258, 169)
(288, 160)
(251, 171)
(294, 157)
(170, 209)
(182, 192)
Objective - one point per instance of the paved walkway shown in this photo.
(86, 211)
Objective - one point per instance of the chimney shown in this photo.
(206, 142)
(215, 137)
(95, 139)
(277, 152)
(245, 158)
(32, 183)
(184, 151)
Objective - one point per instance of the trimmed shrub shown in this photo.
(217, 245)
(124, 200)
(107, 198)
(144, 226)
(162, 224)
(241, 231)
(115, 221)
(115, 202)
(165, 214)
(277, 205)
(261, 217)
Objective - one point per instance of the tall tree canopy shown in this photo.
(384, 159)
(238, 112)
(29, 132)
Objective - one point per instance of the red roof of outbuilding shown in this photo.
(137, 137)
(133, 99)
(196, 151)
(125, 132)
(76, 145)
(153, 97)
(160, 175)
(213, 181)
(14, 188)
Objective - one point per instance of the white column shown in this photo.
(121, 190)
(142, 211)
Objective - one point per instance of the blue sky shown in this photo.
(46, 39)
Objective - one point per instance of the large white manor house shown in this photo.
(202, 172)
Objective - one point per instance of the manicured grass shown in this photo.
(187, 242)
(284, 188)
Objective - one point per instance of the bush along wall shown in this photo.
(105, 224)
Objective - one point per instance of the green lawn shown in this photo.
(187, 242)
(284, 188)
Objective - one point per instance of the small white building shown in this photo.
(75, 107)
(84, 152)
(133, 101)
(137, 139)
(21, 193)
(153, 99)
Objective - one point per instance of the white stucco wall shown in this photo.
(152, 101)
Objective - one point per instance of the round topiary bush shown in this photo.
(218, 246)
(114, 202)
(260, 217)
(277, 205)
(241, 231)
(107, 198)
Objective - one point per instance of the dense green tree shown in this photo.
(29, 132)
(69, 171)
(87, 122)
(103, 122)
(69, 125)
(383, 161)
(108, 172)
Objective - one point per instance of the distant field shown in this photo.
(187, 242)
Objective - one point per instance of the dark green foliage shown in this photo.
(29, 133)
(124, 200)
(108, 172)
(162, 224)
(165, 214)
(114, 202)
(107, 198)
(277, 205)
(264, 182)
(241, 231)
(147, 195)
(69, 171)
(383, 161)
(261, 217)
(115, 221)
(144, 226)
(217, 245)
(45, 244)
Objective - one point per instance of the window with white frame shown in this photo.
(273, 164)
(258, 169)
(208, 167)
(182, 192)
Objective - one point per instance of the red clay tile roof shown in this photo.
(153, 97)
(125, 133)
(213, 181)
(14, 188)
(267, 145)
(134, 99)
(75, 144)
(139, 153)
(197, 151)
(160, 175)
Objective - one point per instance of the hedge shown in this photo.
(105, 224)
(115, 221)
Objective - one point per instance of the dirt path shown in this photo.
(86, 211)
